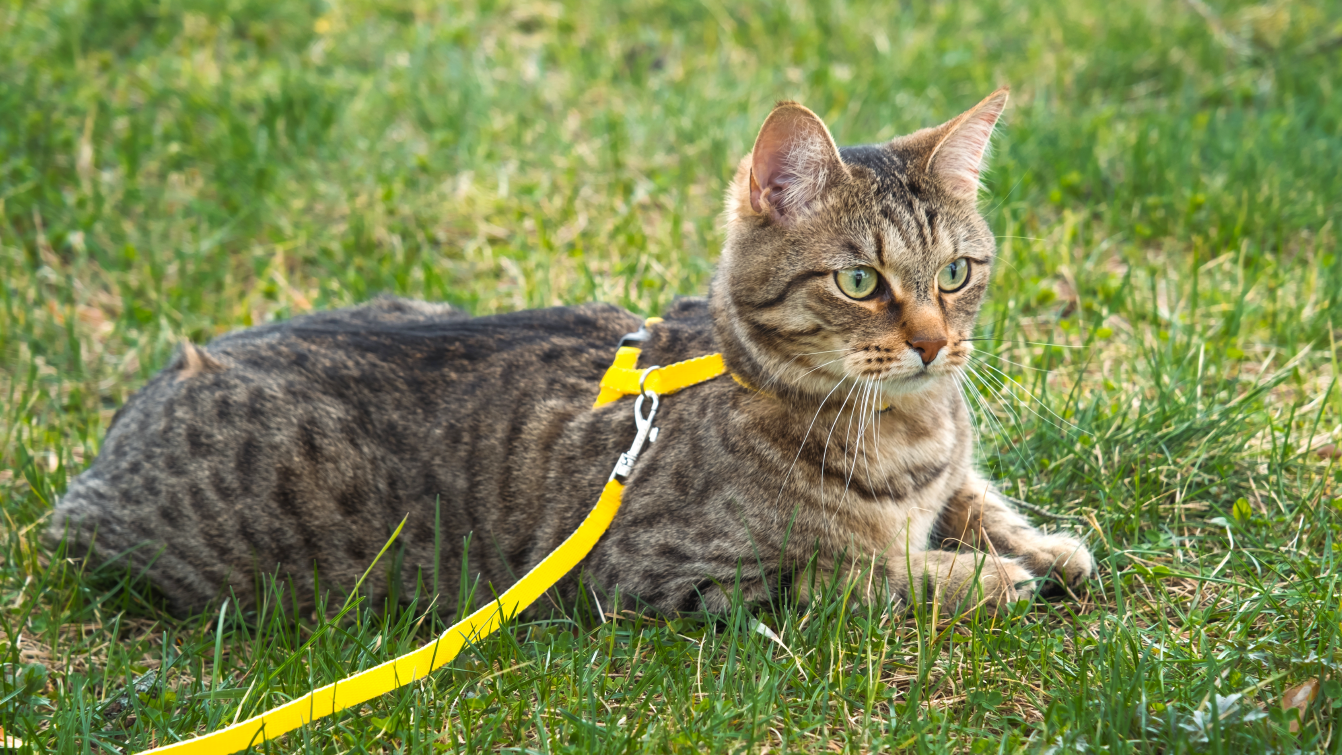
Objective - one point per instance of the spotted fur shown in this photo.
(302, 444)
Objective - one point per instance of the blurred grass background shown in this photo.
(1166, 192)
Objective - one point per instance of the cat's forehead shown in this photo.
(892, 200)
(889, 180)
(888, 165)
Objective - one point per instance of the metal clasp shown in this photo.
(646, 432)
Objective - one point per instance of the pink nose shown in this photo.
(928, 349)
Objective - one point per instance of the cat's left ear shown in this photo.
(961, 151)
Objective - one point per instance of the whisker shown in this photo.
(848, 349)
(979, 407)
(960, 383)
(876, 432)
(786, 477)
(826, 364)
(1004, 397)
(966, 385)
(1006, 196)
(779, 376)
(769, 383)
(859, 411)
(1024, 238)
(1025, 343)
(1028, 392)
(993, 419)
(977, 354)
(869, 446)
(824, 455)
(869, 417)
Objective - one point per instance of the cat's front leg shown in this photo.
(978, 511)
(961, 581)
(958, 582)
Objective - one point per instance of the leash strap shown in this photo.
(622, 379)
(417, 664)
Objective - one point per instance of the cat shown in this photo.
(843, 306)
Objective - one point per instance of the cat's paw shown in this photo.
(965, 582)
(1002, 582)
(1060, 557)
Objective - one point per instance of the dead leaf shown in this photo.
(771, 634)
(1299, 697)
(9, 743)
(1329, 451)
(1067, 294)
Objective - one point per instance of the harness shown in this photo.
(623, 378)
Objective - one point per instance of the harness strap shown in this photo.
(625, 379)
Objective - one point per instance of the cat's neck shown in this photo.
(859, 399)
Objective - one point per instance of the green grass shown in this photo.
(1167, 196)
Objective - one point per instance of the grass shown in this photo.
(1167, 199)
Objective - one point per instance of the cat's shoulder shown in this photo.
(688, 308)
(686, 331)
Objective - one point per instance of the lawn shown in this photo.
(1162, 372)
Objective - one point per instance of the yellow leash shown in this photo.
(622, 379)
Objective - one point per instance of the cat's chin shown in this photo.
(918, 382)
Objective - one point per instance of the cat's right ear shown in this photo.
(794, 161)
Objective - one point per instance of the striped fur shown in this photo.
(303, 443)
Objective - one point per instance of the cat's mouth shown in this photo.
(921, 376)
(907, 379)
(894, 371)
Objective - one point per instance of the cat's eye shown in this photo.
(857, 282)
(954, 276)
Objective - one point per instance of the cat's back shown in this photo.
(414, 345)
(392, 363)
(298, 441)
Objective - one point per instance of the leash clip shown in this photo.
(646, 432)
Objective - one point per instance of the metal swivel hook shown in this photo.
(646, 432)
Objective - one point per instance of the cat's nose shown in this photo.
(928, 348)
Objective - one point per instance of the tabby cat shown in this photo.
(843, 306)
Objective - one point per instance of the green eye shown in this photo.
(954, 276)
(857, 282)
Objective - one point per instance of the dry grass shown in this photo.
(1161, 359)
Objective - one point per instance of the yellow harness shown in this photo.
(625, 379)
(622, 379)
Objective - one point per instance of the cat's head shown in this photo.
(855, 264)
